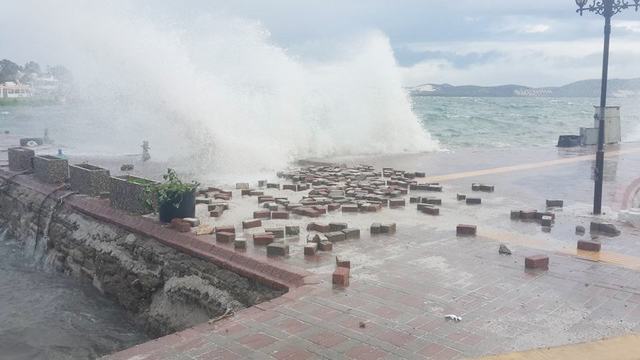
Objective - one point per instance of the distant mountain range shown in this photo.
(583, 88)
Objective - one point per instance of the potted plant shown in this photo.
(175, 199)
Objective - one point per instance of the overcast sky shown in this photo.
(487, 42)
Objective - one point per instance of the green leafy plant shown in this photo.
(171, 191)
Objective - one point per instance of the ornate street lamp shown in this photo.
(606, 8)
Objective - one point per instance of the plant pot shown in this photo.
(128, 193)
(186, 209)
(51, 169)
(89, 179)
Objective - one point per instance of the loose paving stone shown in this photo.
(466, 230)
(474, 201)
(249, 224)
(340, 277)
(351, 233)
(263, 239)
(292, 230)
(504, 250)
(227, 228)
(225, 237)
(336, 236)
(310, 249)
(375, 228)
(337, 226)
(277, 249)
(278, 233)
(389, 228)
(482, 187)
(604, 228)
(429, 209)
(395, 203)
(461, 197)
(262, 214)
(318, 238)
(589, 245)
(275, 215)
(323, 228)
(431, 201)
(539, 262)
(240, 244)
(555, 203)
(343, 263)
(325, 246)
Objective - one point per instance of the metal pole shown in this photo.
(599, 170)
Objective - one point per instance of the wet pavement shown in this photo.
(404, 284)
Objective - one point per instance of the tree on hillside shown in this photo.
(61, 73)
(32, 67)
(9, 71)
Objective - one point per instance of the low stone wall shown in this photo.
(165, 289)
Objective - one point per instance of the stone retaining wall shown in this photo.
(166, 289)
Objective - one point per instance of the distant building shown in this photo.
(12, 90)
(46, 85)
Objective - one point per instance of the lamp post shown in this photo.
(606, 8)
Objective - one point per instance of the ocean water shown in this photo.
(46, 315)
(458, 122)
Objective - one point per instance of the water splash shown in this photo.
(220, 92)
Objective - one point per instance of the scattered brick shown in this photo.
(273, 186)
(388, 228)
(376, 228)
(310, 249)
(473, 201)
(325, 246)
(337, 226)
(351, 233)
(240, 244)
(292, 230)
(546, 221)
(336, 236)
(263, 239)
(349, 208)
(225, 237)
(277, 249)
(555, 203)
(395, 203)
(341, 277)
(414, 199)
(203, 200)
(323, 228)
(318, 238)
(265, 198)
(540, 262)
(262, 214)
(589, 245)
(343, 263)
(333, 206)
(192, 221)
(227, 228)
(466, 230)
(429, 209)
(482, 187)
(278, 233)
(279, 215)
(248, 224)
(461, 197)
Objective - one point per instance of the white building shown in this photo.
(12, 90)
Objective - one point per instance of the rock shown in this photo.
(580, 230)
(604, 228)
(504, 250)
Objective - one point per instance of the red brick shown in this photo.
(349, 208)
(323, 228)
(589, 245)
(263, 239)
(226, 228)
(341, 276)
(180, 225)
(394, 203)
(279, 215)
(325, 246)
(310, 249)
(249, 224)
(333, 207)
(262, 214)
(343, 263)
(537, 262)
(466, 229)
(225, 237)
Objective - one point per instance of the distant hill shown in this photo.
(583, 88)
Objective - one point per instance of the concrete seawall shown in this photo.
(164, 287)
